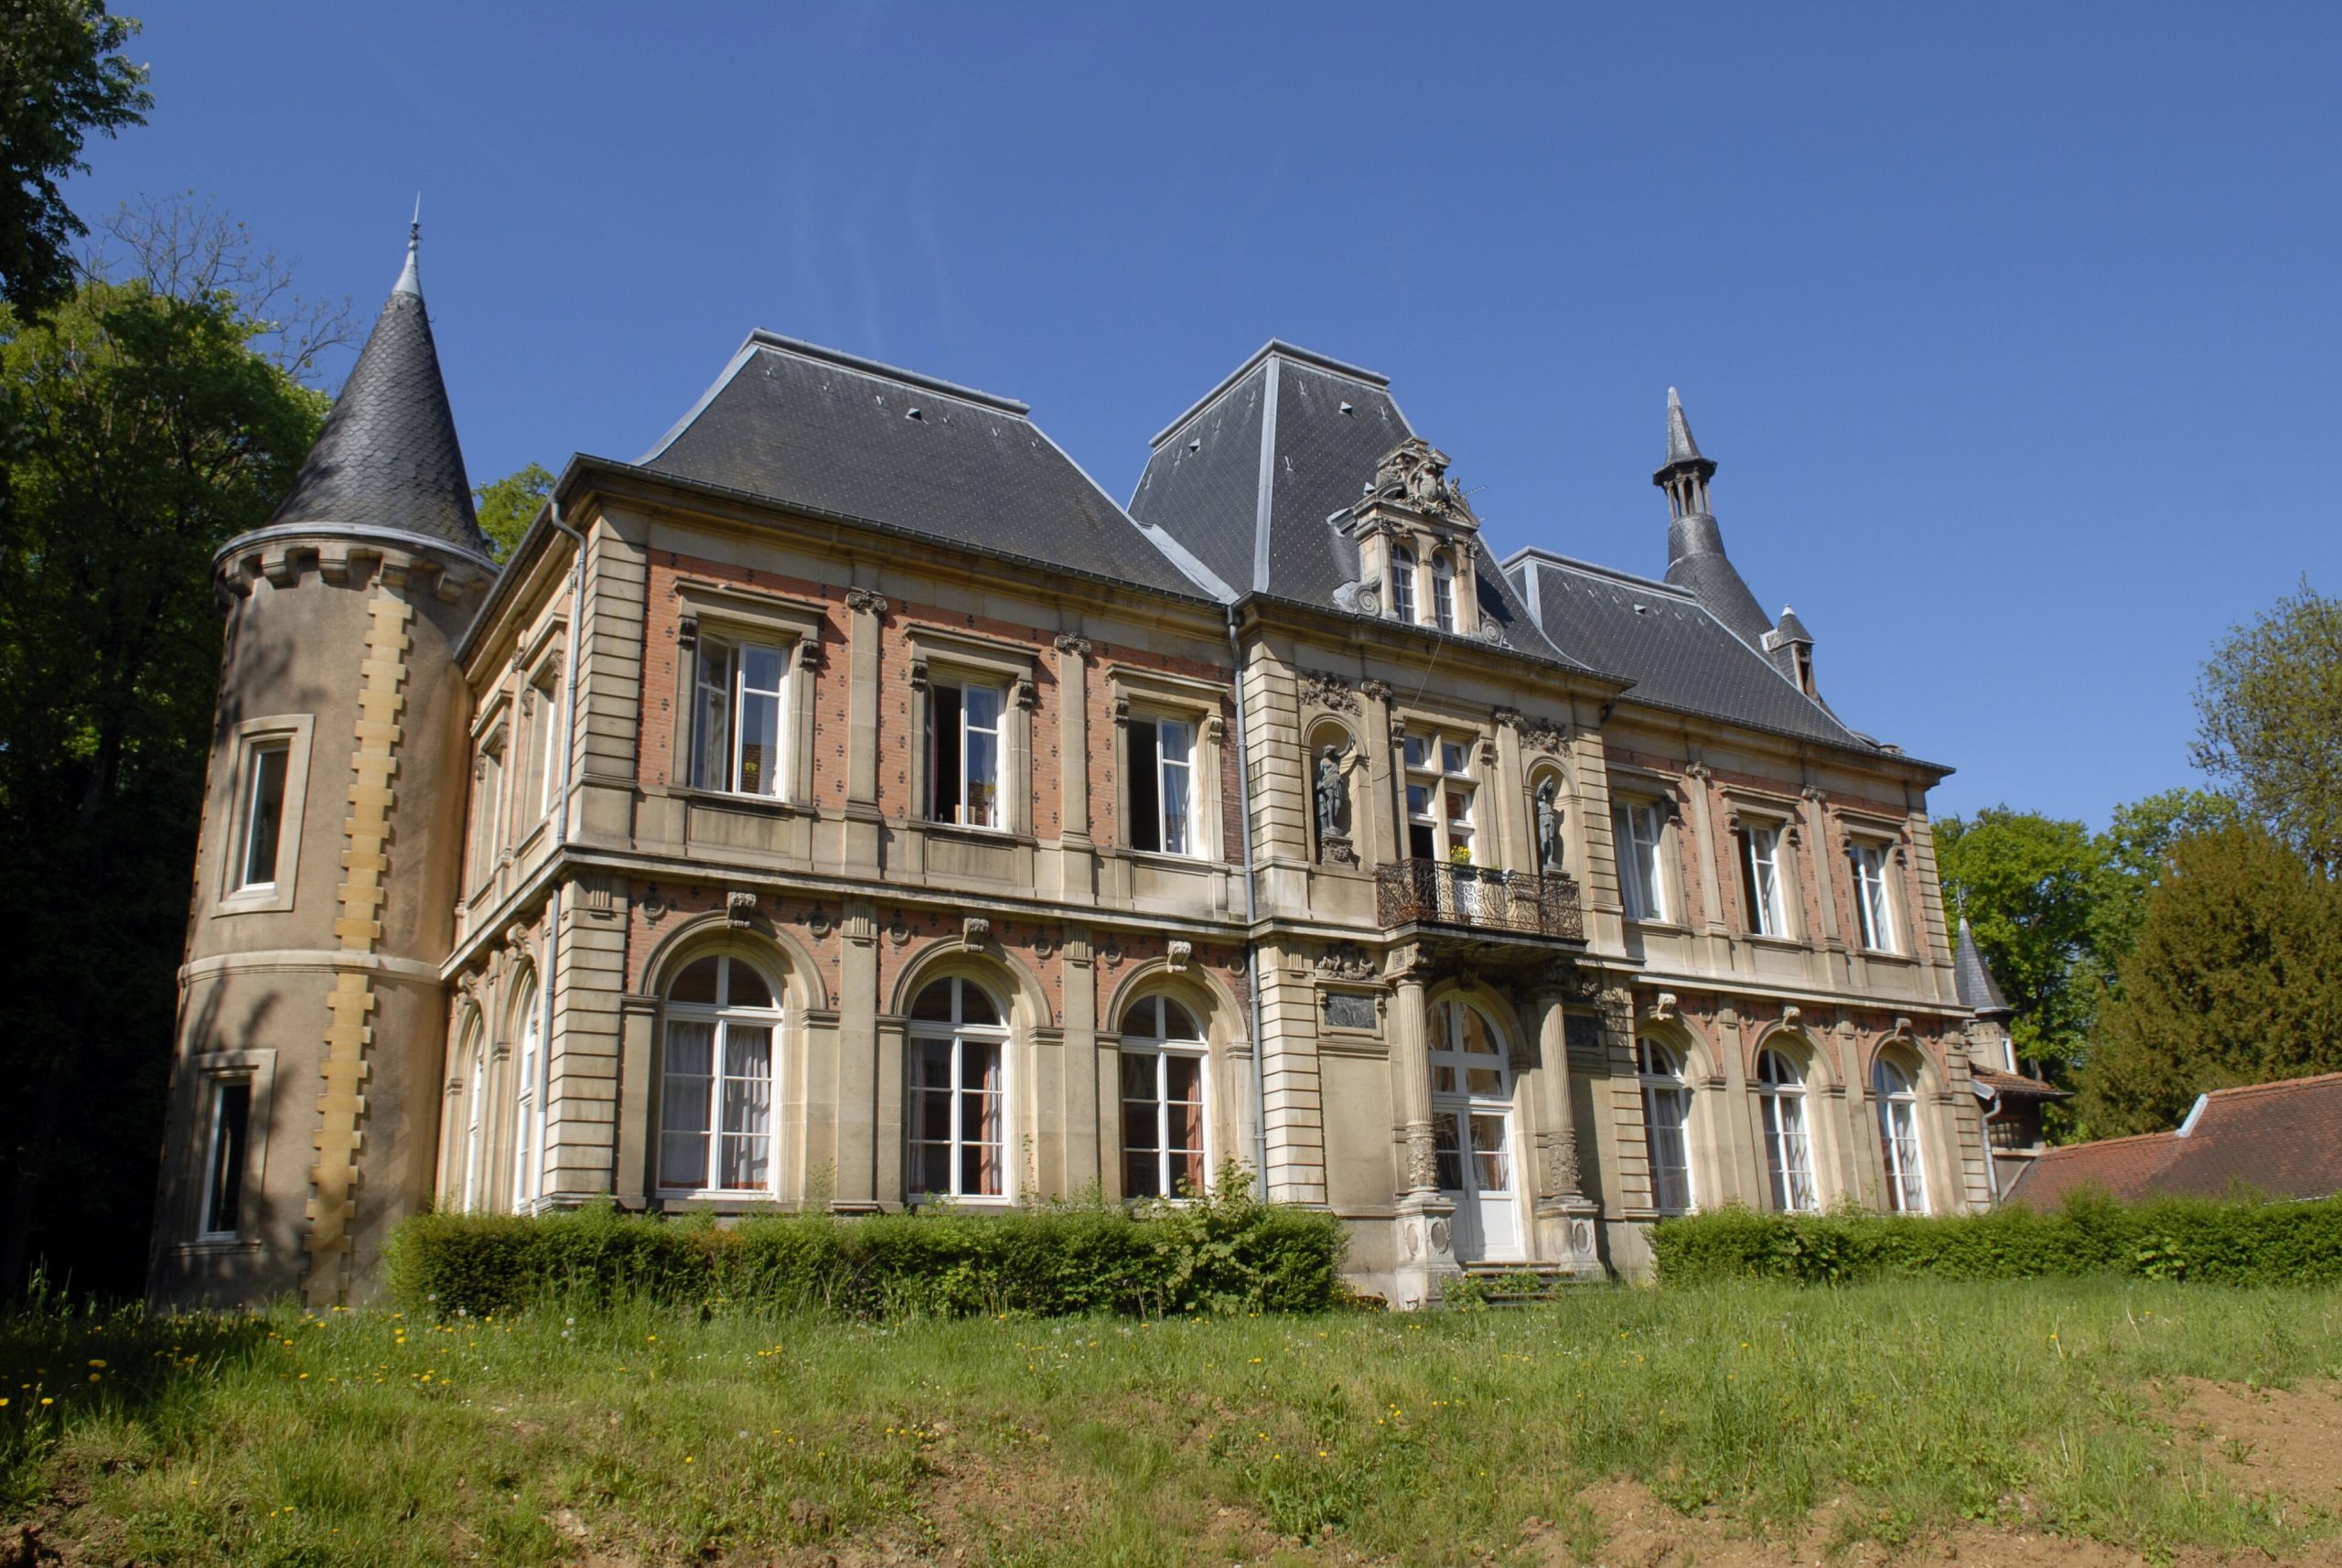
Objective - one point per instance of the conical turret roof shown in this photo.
(1681, 450)
(1974, 980)
(388, 456)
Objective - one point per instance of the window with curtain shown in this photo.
(716, 1118)
(1667, 1121)
(1163, 1100)
(737, 748)
(963, 750)
(954, 1100)
(1875, 921)
(1898, 1137)
(1760, 879)
(1161, 774)
(1636, 830)
(1789, 1147)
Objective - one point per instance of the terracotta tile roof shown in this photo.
(2281, 1139)
(2017, 1084)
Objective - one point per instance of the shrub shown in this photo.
(2219, 1240)
(1225, 1253)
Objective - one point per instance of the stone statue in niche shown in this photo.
(1332, 793)
(1549, 826)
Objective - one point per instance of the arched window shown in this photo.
(1471, 1120)
(1667, 1121)
(1898, 1136)
(1402, 582)
(956, 1138)
(525, 1121)
(1443, 591)
(715, 1122)
(1789, 1148)
(1163, 1100)
(475, 1196)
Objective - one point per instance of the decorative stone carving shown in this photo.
(653, 904)
(817, 922)
(860, 925)
(1331, 793)
(1493, 634)
(1027, 696)
(1345, 961)
(1791, 1014)
(862, 601)
(899, 930)
(975, 932)
(1582, 1237)
(687, 631)
(1560, 1163)
(1359, 599)
(1442, 1235)
(739, 908)
(809, 653)
(1044, 945)
(1549, 826)
(1415, 476)
(1543, 735)
(1665, 1008)
(1699, 770)
(1328, 690)
(1177, 953)
(1068, 643)
(1377, 690)
(919, 674)
(1112, 953)
(1423, 1159)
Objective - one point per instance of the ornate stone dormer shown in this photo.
(1419, 542)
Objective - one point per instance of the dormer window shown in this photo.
(1443, 591)
(1402, 583)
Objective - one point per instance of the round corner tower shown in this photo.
(304, 1114)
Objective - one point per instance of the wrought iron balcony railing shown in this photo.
(1441, 892)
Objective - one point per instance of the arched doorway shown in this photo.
(1471, 1107)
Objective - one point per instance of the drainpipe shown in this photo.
(1251, 948)
(560, 837)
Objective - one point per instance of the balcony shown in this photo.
(1479, 898)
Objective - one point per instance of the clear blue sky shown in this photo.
(2012, 327)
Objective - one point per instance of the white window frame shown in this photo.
(256, 760)
(527, 1128)
(217, 1087)
(1667, 1126)
(1447, 760)
(1402, 582)
(1638, 830)
(958, 1034)
(1447, 1052)
(253, 737)
(721, 1016)
(730, 697)
(1761, 873)
(1187, 773)
(1159, 1049)
(474, 1195)
(1874, 903)
(1443, 591)
(962, 816)
(1788, 1132)
(1898, 1136)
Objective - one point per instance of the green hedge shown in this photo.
(1227, 1253)
(2226, 1242)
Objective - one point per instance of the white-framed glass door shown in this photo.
(1472, 1133)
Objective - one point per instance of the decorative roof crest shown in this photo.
(1415, 475)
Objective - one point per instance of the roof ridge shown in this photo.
(1620, 574)
(1276, 348)
(2057, 1149)
(2273, 1084)
(767, 339)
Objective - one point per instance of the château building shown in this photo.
(848, 805)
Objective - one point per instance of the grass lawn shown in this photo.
(1898, 1413)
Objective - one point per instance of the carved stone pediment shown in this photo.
(1415, 476)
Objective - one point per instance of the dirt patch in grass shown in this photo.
(2282, 1441)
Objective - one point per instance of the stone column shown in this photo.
(1086, 1067)
(1383, 830)
(867, 613)
(1077, 862)
(1700, 820)
(1516, 823)
(1425, 1240)
(855, 1183)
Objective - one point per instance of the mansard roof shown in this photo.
(802, 425)
(1679, 655)
(387, 456)
(1258, 480)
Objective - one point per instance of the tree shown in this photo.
(2138, 844)
(2268, 722)
(511, 504)
(2236, 978)
(149, 430)
(2031, 887)
(61, 77)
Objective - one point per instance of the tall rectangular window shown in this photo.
(1873, 917)
(739, 712)
(1162, 779)
(223, 1165)
(1163, 1124)
(1443, 593)
(1636, 828)
(1402, 583)
(544, 779)
(1760, 880)
(263, 814)
(487, 807)
(963, 744)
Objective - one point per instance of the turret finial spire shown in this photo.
(410, 280)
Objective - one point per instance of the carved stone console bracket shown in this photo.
(739, 908)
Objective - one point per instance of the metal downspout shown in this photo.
(560, 837)
(1251, 948)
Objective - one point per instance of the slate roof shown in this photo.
(387, 456)
(1250, 476)
(803, 425)
(2280, 1139)
(1676, 650)
(1973, 977)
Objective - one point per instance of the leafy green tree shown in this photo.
(508, 506)
(2235, 978)
(61, 77)
(2268, 721)
(147, 430)
(2138, 844)
(2031, 887)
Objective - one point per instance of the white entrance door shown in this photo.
(1471, 1085)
